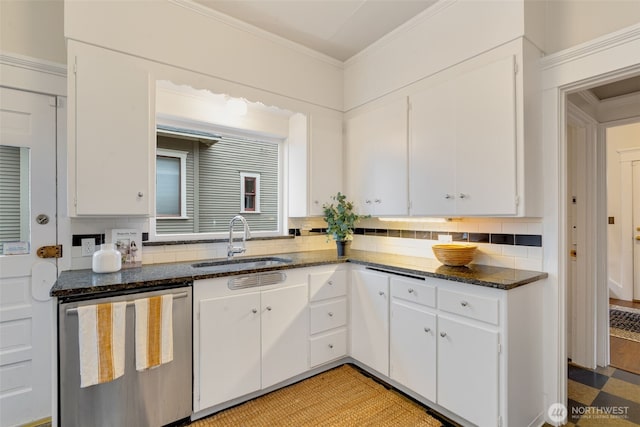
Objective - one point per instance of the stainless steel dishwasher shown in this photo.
(153, 398)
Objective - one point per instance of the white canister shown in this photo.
(107, 260)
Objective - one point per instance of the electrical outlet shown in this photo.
(88, 246)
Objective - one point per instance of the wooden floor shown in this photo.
(624, 354)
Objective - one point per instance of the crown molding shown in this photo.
(258, 32)
(608, 41)
(33, 64)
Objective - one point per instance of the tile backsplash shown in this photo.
(505, 242)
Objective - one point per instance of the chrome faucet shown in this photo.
(232, 250)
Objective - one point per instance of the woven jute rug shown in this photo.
(624, 322)
(340, 397)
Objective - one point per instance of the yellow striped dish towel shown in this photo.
(154, 331)
(101, 333)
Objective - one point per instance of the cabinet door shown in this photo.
(412, 352)
(370, 319)
(468, 371)
(109, 127)
(432, 159)
(229, 357)
(377, 159)
(285, 331)
(486, 140)
(325, 160)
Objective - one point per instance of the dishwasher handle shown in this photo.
(130, 303)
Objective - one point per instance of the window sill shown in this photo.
(171, 218)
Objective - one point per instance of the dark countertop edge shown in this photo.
(195, 242)
(421, 273)
(99, 291)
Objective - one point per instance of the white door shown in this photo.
(27, 191)
(636, 227)
(370, 319)
(229, 359)
(285, 331)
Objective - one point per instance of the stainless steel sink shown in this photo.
(241, 264)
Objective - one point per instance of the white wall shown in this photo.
(618, 138)
(571, 22)
(192, 38)
(33, 28)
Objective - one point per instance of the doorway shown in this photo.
(603, 132)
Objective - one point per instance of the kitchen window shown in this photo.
(221, 176)
(171, 184)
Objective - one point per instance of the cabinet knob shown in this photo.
(268, 308)
(330, 283)
(330, 314)
(140, 194)
(316, 202)
(427, 330)
(448, 196)
(464, 303)
(463, 196)
(254, 311)
(411, 290)
(330, 345)
(381, 293)
(377, 201)
(443, 334)
(368, 202)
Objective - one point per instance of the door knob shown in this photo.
(637, 237)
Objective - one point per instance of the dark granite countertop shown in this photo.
(85, 283)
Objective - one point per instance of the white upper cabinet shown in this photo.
(110, 133)
(315, 172)
(376, 159)
(463, 144)
(474, 137)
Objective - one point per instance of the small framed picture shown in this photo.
(129, 243)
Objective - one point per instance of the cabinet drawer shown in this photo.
(475, 307)
(413, 290)
(328, 315)
(328, 347)
(328, 284)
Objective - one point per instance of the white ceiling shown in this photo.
(337, 28)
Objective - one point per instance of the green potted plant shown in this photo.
(341, 219)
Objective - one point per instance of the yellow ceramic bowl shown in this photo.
(454, 254)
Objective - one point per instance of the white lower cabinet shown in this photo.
(284, 332)
(471, 352)
(468, 371)
(247, 340)
(370, 319)
(229, 335)
(413, 349)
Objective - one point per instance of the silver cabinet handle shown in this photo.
(443, 334)
(330, 314)
(330, 345)
(377, 201)
(381, 293)
(268, 308)
(368, 202)
(411, 290)
(254, 311)
(464, 303)
(427, 330)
